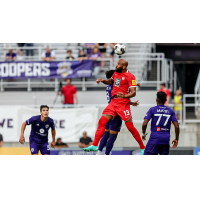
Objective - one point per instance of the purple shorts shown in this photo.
(155, 149)
(43, 148)
(115, 124)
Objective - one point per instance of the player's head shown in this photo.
(162, 86)
(44, 110)
(121, 66)
(68, 81)
(109, 73)
(161, 98)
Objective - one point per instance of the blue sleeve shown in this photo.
(30, 121)
(174, 119)
(52, 125)
(182, 98)
(149, 114)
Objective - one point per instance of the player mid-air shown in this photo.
(124, 88)
(161, 118)
(113, 127)
(40, 125)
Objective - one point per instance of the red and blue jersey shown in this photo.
(161, 119)
(39, 129)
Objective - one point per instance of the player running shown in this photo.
(162, 117)
(40, 125)
(124, 88)
(113, 127)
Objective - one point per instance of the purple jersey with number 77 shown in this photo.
(161, 119)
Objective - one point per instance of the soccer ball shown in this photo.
(119, 49)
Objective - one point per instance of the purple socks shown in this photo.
(110, 143)
(104, 140)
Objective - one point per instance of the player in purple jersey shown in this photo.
(161, 118)
(40, 125)
(113, 127)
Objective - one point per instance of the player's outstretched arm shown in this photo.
(106, 82)
(144, 128)
(22, 139)
(53, 143)
(177, 132)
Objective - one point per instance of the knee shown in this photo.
(103, 121)
(113, 137)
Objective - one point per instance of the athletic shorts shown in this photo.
(155, 149)
(115, 124)
(118, 107)
(43, 148)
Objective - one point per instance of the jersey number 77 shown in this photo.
(160, 116)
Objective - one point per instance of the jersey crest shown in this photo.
(117, 82)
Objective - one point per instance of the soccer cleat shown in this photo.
(142, 151)
(99, 153)
(91, 148)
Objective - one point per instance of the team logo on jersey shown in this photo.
(64, 68)
(123, 78)
(158, 128)
(41, 130)
(133, 82)
(117, 82)
(32, 150)
(37, 124)
(47, 126)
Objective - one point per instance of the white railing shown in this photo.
(165, 70)
(196, 92)
(39, 56)
(191, 105)
(164, 67)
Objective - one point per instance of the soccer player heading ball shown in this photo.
(40, 125)
(124, 88)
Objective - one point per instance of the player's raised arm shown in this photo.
(106, 82)
(22, 139)
(177, 132)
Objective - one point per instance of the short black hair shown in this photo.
(43, 106)
(162, 97)
(109, 73)
(58, 139)
(163, 84)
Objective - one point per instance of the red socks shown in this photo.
(135, 134)
(100, 130)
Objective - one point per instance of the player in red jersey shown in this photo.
(124, 88)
